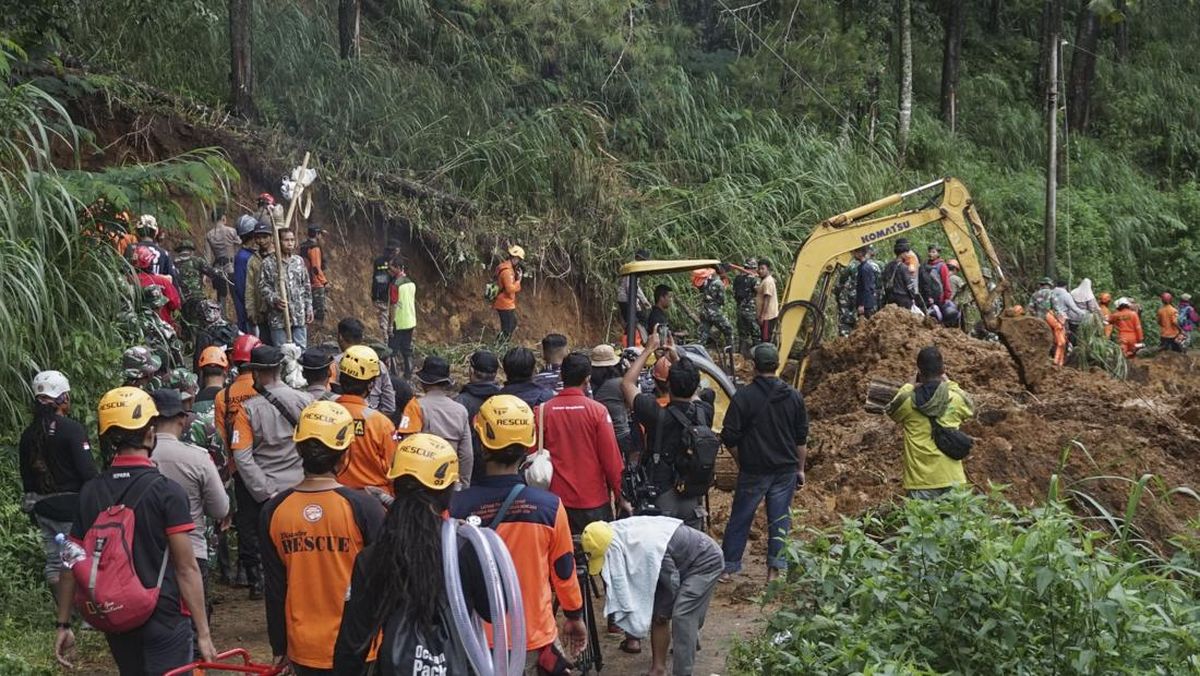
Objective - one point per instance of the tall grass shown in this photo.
(60, 289)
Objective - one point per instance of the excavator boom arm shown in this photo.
(832, 242)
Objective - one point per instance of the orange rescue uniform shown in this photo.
(233, 395)
(1105, 313)
(1129, 329)
(313, 536)
(1060, 337)
(1168, 322)
(509, 285)
(369, 457)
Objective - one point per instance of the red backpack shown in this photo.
(108, 593)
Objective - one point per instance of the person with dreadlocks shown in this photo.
(312, 533)
(56, 460)
(397, 585)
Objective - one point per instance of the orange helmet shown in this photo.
(213, 355)
(699, 277)
(1105, 298)
(953, 263)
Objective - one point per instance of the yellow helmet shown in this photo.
(516, 252)
(129, 408)
(505, 420)
(327, 422)
(360, 362)
(428, 458)
(595, 539)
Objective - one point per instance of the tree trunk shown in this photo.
(954, 25)
(349, 21)
(241, 74)
(1122, 37)
(993, 22)
(906, 75)
(1051, 224)
(1083, 71)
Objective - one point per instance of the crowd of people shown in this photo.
(317, 476)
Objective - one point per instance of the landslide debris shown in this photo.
(1127, 428)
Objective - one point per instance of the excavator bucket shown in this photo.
(1028, 340)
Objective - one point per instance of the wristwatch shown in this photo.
(62, 625)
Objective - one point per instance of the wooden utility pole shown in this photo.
(955, 25)
(1051, 242)
(241, 71)
(906, 75)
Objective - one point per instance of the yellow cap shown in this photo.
(360, 362)
(428, 458)
(327, 422)
(595, 541)
(505, 420)
(516, 251)
(129, 408)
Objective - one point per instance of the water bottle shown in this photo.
(68, 551)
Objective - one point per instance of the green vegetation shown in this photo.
(585, 128)
(63, 288)
(971, 584)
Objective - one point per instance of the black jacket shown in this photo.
(472, 397)
(765, 422)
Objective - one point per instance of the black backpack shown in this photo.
(696, 462)
(895, 288)
(929, 283)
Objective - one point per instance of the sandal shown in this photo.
(627, 648)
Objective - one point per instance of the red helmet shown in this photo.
(143, 258)
(242, 346)
(266, 198)
(1166, 297)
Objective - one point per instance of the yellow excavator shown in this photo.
(831, 243)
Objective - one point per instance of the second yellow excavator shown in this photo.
(831, 243)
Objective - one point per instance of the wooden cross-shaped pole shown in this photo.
(279, 266)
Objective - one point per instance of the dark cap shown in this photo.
(265, 357)
(766, 357)
(435, 371)
(186, 245)
(169, 402)
(263, 228)
(315, 229)
(315, 359)
(485, 362)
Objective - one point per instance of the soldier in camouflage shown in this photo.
(744, 286)
(298, 299)
(1042, 300)
(847, 285)
(712, 306)
(190, 271)
(159, 335)
(140, 368)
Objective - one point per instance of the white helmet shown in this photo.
(148, 222)
(52, 384)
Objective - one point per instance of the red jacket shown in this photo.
(174, 304)
(583, 450)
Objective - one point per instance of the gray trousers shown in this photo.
(49, 529)
(691, 606)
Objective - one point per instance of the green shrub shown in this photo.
(971, 584)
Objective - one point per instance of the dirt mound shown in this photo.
(1110, 428)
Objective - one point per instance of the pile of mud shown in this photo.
(1150, 424)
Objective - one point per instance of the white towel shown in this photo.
(631, 568)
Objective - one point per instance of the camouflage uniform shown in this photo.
(847, 290)
(159, 336)
(748, 330)
(1041, 303)
(712, 311)
(139, 362)
(190, 271)
(299, 294)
